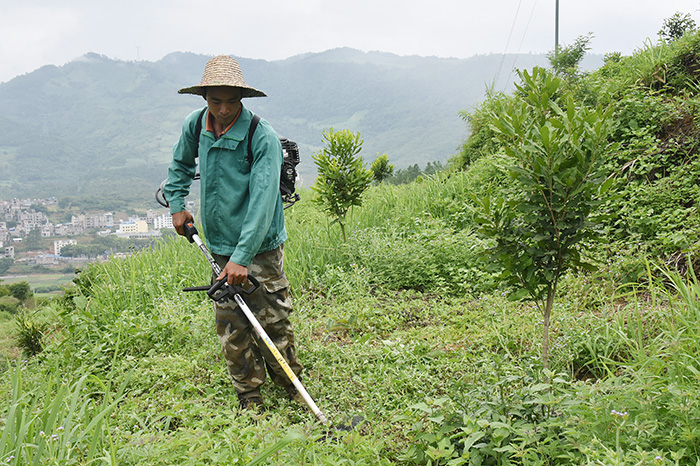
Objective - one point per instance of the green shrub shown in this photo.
(9, 304)
(30, 334)
(424, 255)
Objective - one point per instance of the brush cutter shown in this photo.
(222, 291)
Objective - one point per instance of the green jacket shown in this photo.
(242, 212)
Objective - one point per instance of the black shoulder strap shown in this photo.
(251, 130)
(198, 125)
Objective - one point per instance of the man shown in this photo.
(242, 220)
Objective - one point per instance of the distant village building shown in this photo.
(59, 244)
(93, 221)
(163, 221)
(61, 229)
(42, 259)
(151, 216)
(47, 230)
(8, 251)
(133, 225)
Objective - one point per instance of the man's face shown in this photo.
(223, 103)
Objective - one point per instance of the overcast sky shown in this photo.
(34, 33)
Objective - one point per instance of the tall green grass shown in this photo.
(415, 236)
(58, 423)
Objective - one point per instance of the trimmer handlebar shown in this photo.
(220, 290)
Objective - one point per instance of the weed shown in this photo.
(30, 333)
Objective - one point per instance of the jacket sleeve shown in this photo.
(183, 166)
(264, 194)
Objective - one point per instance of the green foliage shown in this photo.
(518, 414)
(101, 245)
(9, 304)
(565, 60)
(652, 206)
(33, 240)
(381, 169)
(424, 255)
(414, 172)
(655, 201)
(30, 334)
(417, 236)
(20, 290)
(57, 423)
(554, 151)
(5, 264)
(342, 177)
(677, 26)
(12, 296)
(482, 140)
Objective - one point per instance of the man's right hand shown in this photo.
(180, 219)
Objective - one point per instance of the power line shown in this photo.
(522, 39)
(556, 27)
(510, 34)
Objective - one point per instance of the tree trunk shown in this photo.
(545, 336)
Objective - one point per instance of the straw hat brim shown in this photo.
(245, 91)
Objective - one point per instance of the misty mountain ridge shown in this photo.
(102, 127)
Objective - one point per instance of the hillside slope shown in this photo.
(100, 127)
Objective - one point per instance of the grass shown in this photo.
(8, 345)
(419, 367)
(36, 280)
(440, 376)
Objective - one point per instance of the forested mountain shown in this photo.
(97, 127)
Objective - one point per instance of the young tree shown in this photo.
(676, 26)
(34, 239)
(21, 290)
(5, 264)
(565, 60)
(553, 152)
(342, 177)
(381, 169)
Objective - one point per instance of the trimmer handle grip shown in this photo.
(190, 231)
(222, 290)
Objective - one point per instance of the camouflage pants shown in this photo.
(246, 355)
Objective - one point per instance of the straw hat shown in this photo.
(223, 70)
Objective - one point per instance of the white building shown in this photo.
(133, 226)
(163, 221)
(59, 244)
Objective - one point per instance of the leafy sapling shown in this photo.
(553, 155)
(342, 177)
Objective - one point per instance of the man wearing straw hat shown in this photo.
(242, 220)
